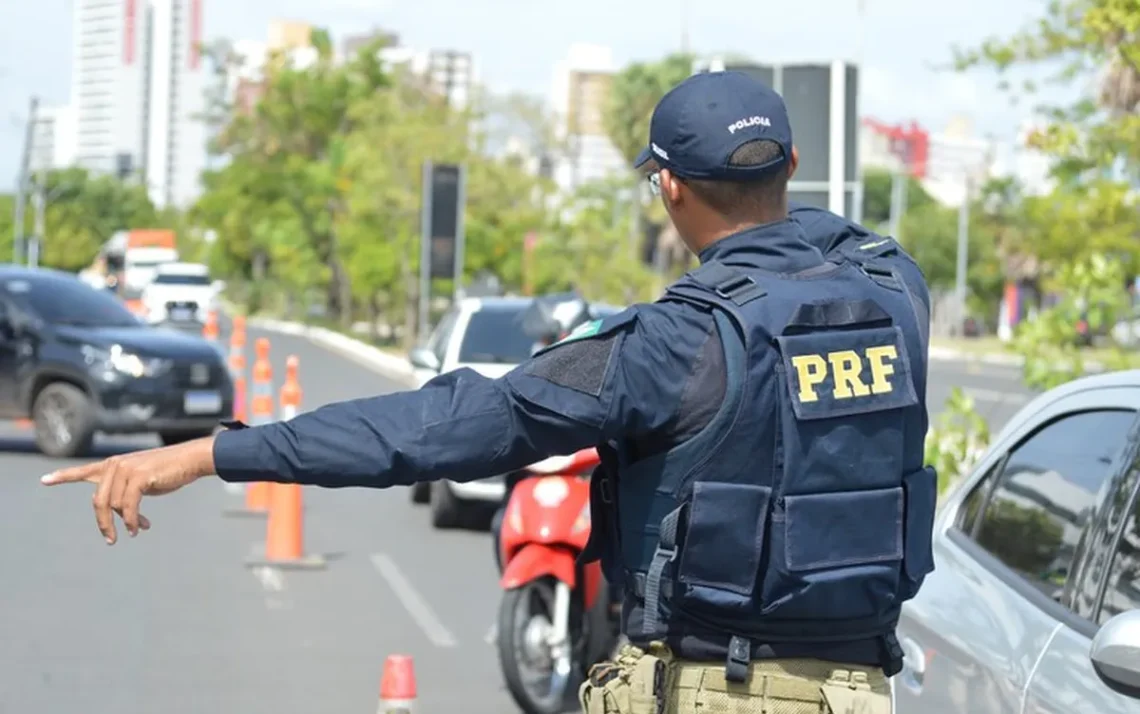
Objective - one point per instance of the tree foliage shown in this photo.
(81, 212)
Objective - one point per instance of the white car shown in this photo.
(486, 335)
(180, 292)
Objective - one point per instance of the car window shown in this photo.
(495, 335)
(437, 343)
(1042, 495)
(64, 300)
(175, 279)
(1123, 590)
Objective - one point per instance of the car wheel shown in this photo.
(64, 420)
(447, 509)
(420, 492)
(170, 438)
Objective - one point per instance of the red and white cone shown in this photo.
(398, 685)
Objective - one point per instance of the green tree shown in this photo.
(81, 213)
(877, 189)
(633, 95)
(295, 141)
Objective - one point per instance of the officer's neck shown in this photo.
(726, 227)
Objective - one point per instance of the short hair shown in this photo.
(745, 199)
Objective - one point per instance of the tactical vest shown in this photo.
(802, 512)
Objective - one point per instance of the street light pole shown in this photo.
(963, 258)
(38, 203)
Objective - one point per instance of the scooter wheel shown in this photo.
(516, 616)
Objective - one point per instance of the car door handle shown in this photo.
(913, 674)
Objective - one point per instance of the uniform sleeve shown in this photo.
(621, 377)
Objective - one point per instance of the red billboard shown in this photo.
(195, 53)
(129, 31)
(911, 144)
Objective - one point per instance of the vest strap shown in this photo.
(665, 554)
(728, 283)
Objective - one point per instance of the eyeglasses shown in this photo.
(654, 183)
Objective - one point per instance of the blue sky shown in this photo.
(517, 42)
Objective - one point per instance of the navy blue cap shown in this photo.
(702, 121)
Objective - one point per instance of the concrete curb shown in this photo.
(949, 354)
(372, 357)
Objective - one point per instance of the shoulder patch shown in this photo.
(593, 328)
(587, 329)
(581, 360)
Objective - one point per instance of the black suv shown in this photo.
(76, 361)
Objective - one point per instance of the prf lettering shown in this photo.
(846, 368)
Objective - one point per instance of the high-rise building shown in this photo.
(580, 91)
(138, 94)
(108, 84)
(352, 44)
(289, 34)
(176, 133)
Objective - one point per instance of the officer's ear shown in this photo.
(794, 163)
(670, 187)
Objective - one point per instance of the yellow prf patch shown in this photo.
(846, 369)
(835, 373)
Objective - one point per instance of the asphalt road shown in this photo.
(175, 622)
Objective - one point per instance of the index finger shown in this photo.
(90, 473)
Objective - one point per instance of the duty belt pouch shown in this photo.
(636, 683)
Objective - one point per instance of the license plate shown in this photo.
(201, 402)
(179, 315)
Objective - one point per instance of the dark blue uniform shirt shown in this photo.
(649, 384)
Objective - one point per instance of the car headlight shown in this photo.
(118, 360)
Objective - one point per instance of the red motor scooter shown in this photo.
(556, 618)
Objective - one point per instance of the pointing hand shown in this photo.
(121, 481)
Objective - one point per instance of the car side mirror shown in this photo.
(218, 286)
(423, 358)
(1115, 654)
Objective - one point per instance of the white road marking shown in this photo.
(413, 602)
(270, 578)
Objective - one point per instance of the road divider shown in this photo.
(372, 357)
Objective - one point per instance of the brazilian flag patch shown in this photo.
(587, 329)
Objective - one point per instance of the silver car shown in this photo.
(1032, 607)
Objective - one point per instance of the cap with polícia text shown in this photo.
(700, 123)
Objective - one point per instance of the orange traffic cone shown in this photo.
(284, 532)
(398, 685)
(261, 412)
(210, 327)
(237, 347)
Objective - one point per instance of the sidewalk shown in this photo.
(990, 350)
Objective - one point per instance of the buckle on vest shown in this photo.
(734, 287)
(669, 555)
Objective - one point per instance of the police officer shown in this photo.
(762, 500)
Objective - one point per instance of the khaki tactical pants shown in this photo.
(654, 682)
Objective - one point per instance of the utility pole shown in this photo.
(685, 27)
(22, 183)
(899, 185)
(39, 201)
(963, 255)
